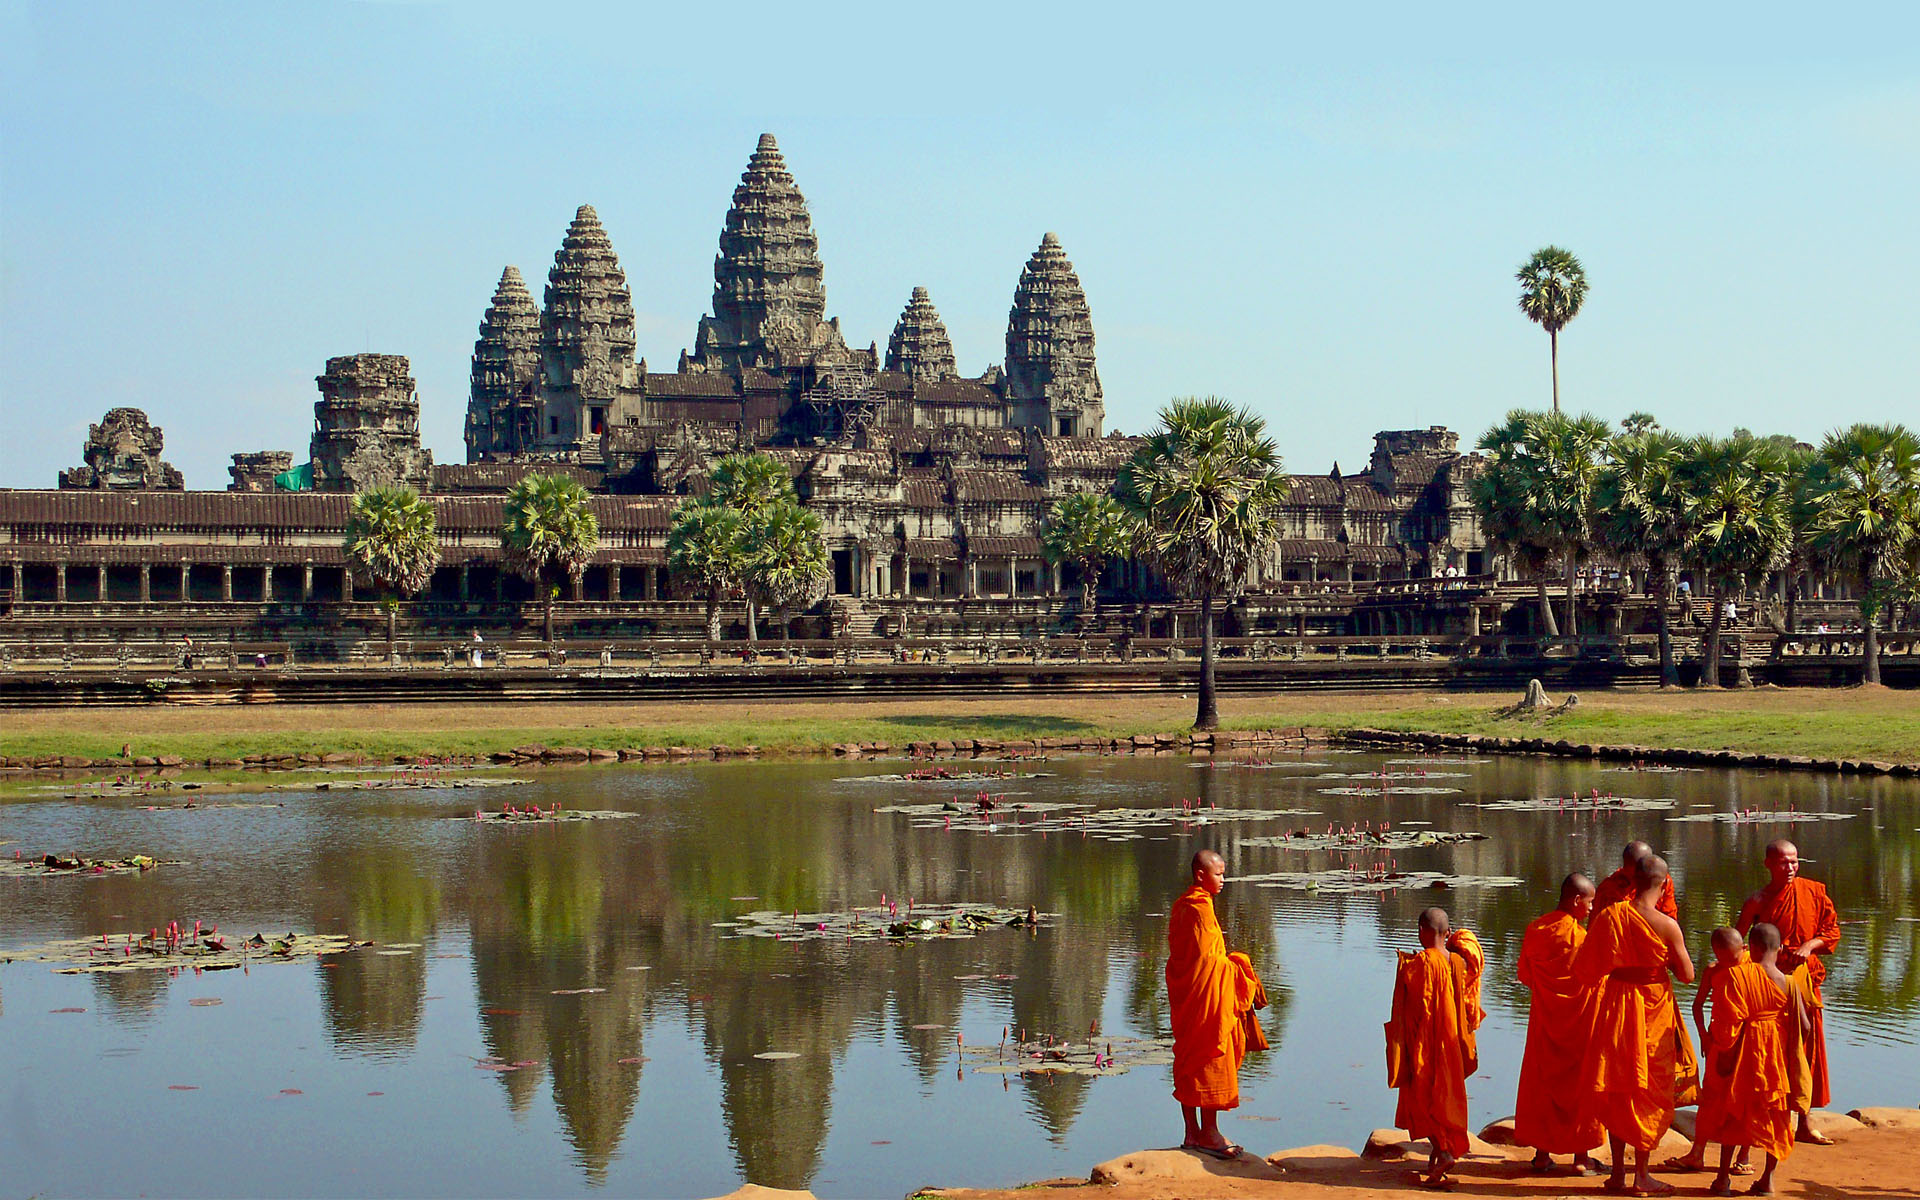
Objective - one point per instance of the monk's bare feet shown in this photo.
(1743, 1167)
(1811, 1138)
(1582, 1165)
(1615, 1183)
(1647, 1185)
(1542, 1163)
(1761, 1187)
(1722, 1186)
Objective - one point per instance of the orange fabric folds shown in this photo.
(1547, 1113)
(1802, 910)
(1627, 1073)
(1430, 1045)
(1745, 1100)
(1213, 995)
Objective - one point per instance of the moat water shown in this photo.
(364, 1074)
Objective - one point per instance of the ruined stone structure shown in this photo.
(123, 454)
(366, 426)
(255, 472)
(933, 486)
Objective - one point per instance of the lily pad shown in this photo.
(1759, 818)
(1348, 880)
(778, 1055)
(946, 775)
(1579, 804)
(536, 815)
(115, 952)
(1388, 776)
(887, 923)
(47, 865)
(1096, 1056)
(205, 1002)
(1000, 816)
(1390, 789)
(407, 782)
(1365, 841)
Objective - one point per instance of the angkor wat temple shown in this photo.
(933, 485)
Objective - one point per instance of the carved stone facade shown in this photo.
(502, 410)
(255, 472)
(123, 454)
(1051, 375)
(366, 426)
(920, 348)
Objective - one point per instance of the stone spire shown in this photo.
(919, 347)
(506, 359)
(1051, 375)
(586, 327)
(769, 301)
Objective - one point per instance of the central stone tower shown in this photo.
(586, 340)
(1052, 382)
(769, 298)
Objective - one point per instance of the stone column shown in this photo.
(576, 586)
(226, 581)
(613, 583)
(972, 579)
(1473, 620)
(906, 575)
(100, 595)
(146, 582)
(60, 582)
(19, 581)
(466, 583)
(346, 587)
(653, 583)
(1059, 579)
(306, 583)
(266, 584)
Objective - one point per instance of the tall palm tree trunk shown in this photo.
(753, 624)
(393, 613)
(1548, 627)
(1209, 715)
(1573, 600)
(549, 590)
(1553, 341)
(1087, 580)
(1870, 642)
(786, 624)
(1710, 669)
(713, 615)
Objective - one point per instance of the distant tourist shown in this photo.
(1213, 996)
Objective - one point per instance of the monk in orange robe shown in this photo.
(1627, 1074)
(1431, 1043)
(1726, 949)
(1617, 888)
(1213, 995)
(1809, 931)
(1547, 1114)
(1747, 1098)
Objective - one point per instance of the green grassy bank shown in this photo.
(1851, 723)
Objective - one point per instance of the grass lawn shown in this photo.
(1852, 723)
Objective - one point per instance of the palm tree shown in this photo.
(785, 560)
(1535, 496)
(1737, 508)
(750, 484)
(1639, 509)
(549, 534)
(1553, 286)
(391, 545)
(1866, 513)
(705, 543)
(1205, 494)
(1086, 529)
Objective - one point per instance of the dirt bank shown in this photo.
(1877, 1161)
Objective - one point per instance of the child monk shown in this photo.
(1627, 1075)
(1547, 1114)
(1726, 949)
(1748, 1098)
(1213, 995)
(1431, 1047)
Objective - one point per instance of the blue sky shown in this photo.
(1313, 212)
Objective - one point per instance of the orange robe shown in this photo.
(1626, 1078)
(1213, 995)
(1800, 911)
(1547, 1114)
(1618, 888)
(1431, 1047)
(1749, 1104)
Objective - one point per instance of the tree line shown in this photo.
(1558, 491)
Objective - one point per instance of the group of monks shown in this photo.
(1608, 1057)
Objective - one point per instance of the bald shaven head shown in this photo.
(1649, 874)
(1434, 927)
(1783, 861)
(1633, 853)
(1209, 871)
(1576, 895)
